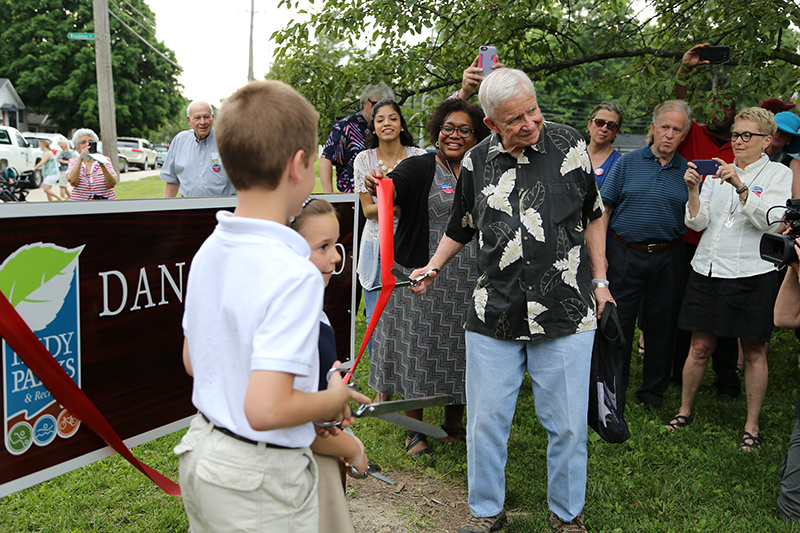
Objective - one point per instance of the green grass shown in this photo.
(695, 480)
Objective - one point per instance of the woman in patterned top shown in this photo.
(419, 342)
(49, 169)
(90, 178)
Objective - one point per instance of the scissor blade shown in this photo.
(375, 409)
(413, 424)
(399, 274)
(373, 470)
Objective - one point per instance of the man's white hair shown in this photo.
(200, 102)
(500, 86)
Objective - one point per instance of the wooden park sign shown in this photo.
(102, 286)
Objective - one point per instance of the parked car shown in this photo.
(161, 150)
(17, 153)
(34, 137)
(122, 160)
(138, 152)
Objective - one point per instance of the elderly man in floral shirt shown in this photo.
(528, 193)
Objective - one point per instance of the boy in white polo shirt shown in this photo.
(251, 325)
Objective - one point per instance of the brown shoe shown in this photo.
(559, 526)
(483, 524)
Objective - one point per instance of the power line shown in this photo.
(145, 41)
(151, 22)
(149, 29)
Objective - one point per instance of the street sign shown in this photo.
(81, 36)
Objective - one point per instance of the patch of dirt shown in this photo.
(416, 502)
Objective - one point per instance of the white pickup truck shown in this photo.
(15, 152)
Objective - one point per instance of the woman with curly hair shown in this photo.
(419, 347)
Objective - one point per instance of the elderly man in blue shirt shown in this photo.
(645, 196)
(193, 166)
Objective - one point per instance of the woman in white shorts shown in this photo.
(49, 169)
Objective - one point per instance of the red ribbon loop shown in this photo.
(385, 191)
(23, 341)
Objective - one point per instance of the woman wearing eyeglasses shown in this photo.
(388, 142)
(731, 291)
(604, 123)
(419, 347)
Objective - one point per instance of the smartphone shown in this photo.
(92, 147)
(706, 167)
(488, 58)
(715, 54)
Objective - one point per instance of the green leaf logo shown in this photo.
(36, 279)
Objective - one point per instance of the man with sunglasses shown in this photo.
(346, 140)
(707, 141)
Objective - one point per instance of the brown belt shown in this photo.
(239, 437)
(655, 247)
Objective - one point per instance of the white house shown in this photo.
(12, 110)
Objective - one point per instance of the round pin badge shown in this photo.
(599, 171)
(447, 188)
(216, 168)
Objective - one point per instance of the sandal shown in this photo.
(679, 422)
(414, 439)
(751, 442)
(455, 434)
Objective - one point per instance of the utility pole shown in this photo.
(105, 82)
(250, 76)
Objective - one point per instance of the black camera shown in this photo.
(779, 249)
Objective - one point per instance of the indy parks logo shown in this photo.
(41, 282)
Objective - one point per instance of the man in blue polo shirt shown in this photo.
(645, 197)
(193, 166)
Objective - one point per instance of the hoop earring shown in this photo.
(342, 251)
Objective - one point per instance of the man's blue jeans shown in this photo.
(559, 369)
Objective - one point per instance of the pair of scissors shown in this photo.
(372, 470)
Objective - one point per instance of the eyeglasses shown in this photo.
(463, 132)
(746, 136)
(599, 122)
(371, 102)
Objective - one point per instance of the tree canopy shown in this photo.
(56, 76)
(579, 52)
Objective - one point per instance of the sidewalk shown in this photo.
(38, 195)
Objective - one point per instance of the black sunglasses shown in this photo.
(599, 122)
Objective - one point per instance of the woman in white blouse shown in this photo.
(732, 290)
(387, 142)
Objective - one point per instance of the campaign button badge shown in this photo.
(757, 191)
(447, 188)
(599, 171)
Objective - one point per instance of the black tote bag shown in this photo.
(606, 411)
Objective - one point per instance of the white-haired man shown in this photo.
(193, 166)
(528, 193)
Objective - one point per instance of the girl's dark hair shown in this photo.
(313, 207)
(371, 139)
(452, 105)
(608, 106)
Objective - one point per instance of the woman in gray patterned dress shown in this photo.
(418, 344)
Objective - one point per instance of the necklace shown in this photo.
(734, 203)
(385, 167)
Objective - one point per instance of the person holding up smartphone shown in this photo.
(486, 61)
(707, 141)
(91, 175)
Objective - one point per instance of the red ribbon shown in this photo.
(32, 352)
(385, 191)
